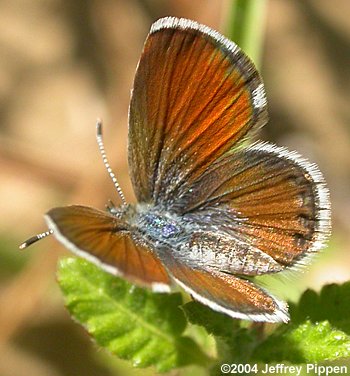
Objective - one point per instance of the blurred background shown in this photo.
(65, 63)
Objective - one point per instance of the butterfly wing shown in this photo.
(268, 198)
(196, 95)
(108, 242)
(196, 99)
(227, 293)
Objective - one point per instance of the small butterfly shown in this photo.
(214, 208)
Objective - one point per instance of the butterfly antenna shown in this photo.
(35, 238)
(105, 160)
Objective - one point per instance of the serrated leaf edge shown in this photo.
(152, 329)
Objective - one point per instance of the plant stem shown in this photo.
(245, 24)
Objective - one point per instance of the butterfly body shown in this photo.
(161, 226)
(204, 239)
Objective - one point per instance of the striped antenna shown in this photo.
(105, 160)
(35, 238)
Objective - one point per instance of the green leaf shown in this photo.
(234, 343)
(319, 329)
(305, 343)
(130, 322)
(332, 304)
(215, 323)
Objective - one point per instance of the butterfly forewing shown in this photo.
(107, 241)
(196, 95)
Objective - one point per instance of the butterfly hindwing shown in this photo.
(267, 197)
(223, 292)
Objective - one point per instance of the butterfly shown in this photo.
(214, 207)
